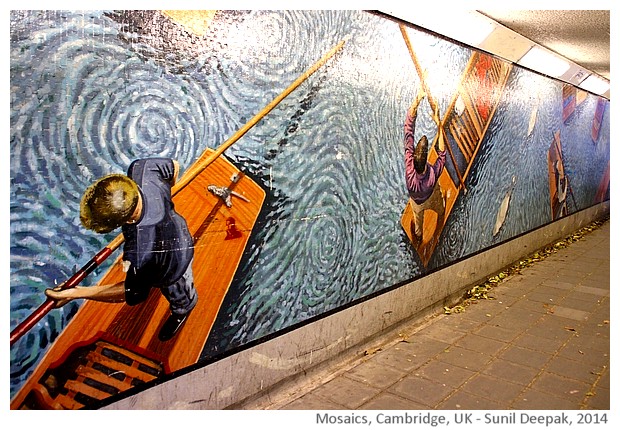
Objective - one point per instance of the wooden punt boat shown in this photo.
(572, 97)
(558, 181)
(109, 348)
(465, 124)
(569, 101)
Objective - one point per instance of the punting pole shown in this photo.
(199, 166)
(189, 175)
(27, 324)
(431, 100)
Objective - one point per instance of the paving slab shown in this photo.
(494, 388)
(511, 372)
(347, 392)
(422, 390)
(444, 373)
(375, 374)
(525, 356)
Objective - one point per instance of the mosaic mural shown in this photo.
(308, 159)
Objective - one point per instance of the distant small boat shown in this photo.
(569, 101)
(503, 209)
(558, 181)
(572, 97)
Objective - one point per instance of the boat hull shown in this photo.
(555, 164)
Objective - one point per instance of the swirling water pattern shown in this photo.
(511, 161)
(86, 102)
(83, 105)
(339, 236)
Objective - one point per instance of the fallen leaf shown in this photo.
(371, 352)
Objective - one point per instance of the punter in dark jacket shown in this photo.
(158, 250)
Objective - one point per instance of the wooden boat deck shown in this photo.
(221, 235)
(572, 97)
(465, 125)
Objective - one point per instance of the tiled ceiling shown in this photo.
(581, 36)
